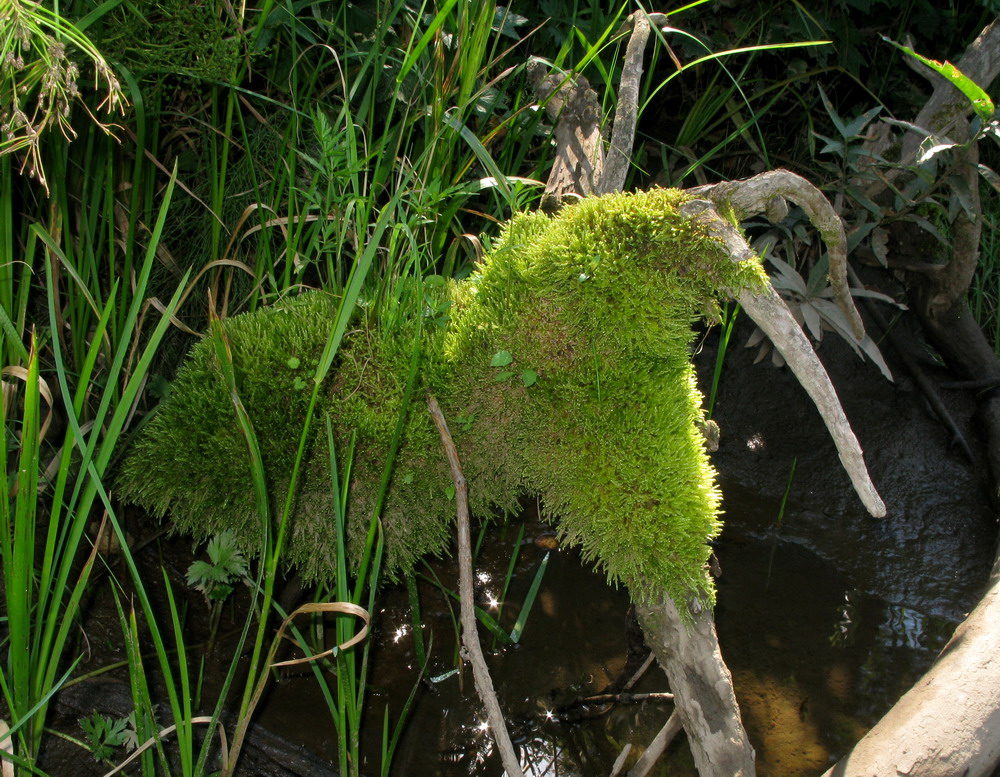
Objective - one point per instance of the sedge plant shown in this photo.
(43, 580)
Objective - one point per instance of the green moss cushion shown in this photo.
(564, 371)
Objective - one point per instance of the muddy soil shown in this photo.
(825, 614)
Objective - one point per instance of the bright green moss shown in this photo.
(597, 303)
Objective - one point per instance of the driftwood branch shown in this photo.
(766, 193)
(688, 650)
(949, 723)
(623, 131)
(770, 313)
(580, 167)
(472, 650)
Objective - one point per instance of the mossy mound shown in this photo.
(564, 371)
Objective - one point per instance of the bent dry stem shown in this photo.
(470, 638)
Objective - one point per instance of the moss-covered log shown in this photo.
(567, 357)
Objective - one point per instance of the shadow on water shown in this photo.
(815, 663)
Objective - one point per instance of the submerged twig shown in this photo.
(606, 702)
(471, 648)
(663, 738)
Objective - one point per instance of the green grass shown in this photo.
(364, 151)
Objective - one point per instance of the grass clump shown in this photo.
(567, 356)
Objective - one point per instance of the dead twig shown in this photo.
(606, 702)
(471, 649)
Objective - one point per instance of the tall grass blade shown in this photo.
(529, 601)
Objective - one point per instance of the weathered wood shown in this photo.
(626, 114)
(770, 313)
(579, 160)
(471, 649)
(766, 193)
(948, 724)
(688, 650)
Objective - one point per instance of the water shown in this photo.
(815, 663)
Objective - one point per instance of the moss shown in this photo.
(597, 303)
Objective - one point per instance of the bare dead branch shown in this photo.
(766, 193)
(471, 649)
(770, 313)
(623, 131)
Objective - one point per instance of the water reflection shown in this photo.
(815, 663)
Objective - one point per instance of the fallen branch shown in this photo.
(770, 313)
(574, 108)
(626, 114)
(949, 722)
(766, 193)
(471, 649)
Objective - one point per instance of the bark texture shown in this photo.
(688, 650)
(626, 114)
(579, 162)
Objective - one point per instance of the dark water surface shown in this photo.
(825, 615)
(815, 663)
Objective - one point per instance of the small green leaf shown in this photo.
(501, 359)
(529, 378)
(450, 492)
(293, 363)
(503, 376)
(219, 592)
(299, 384)
(408, 478)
